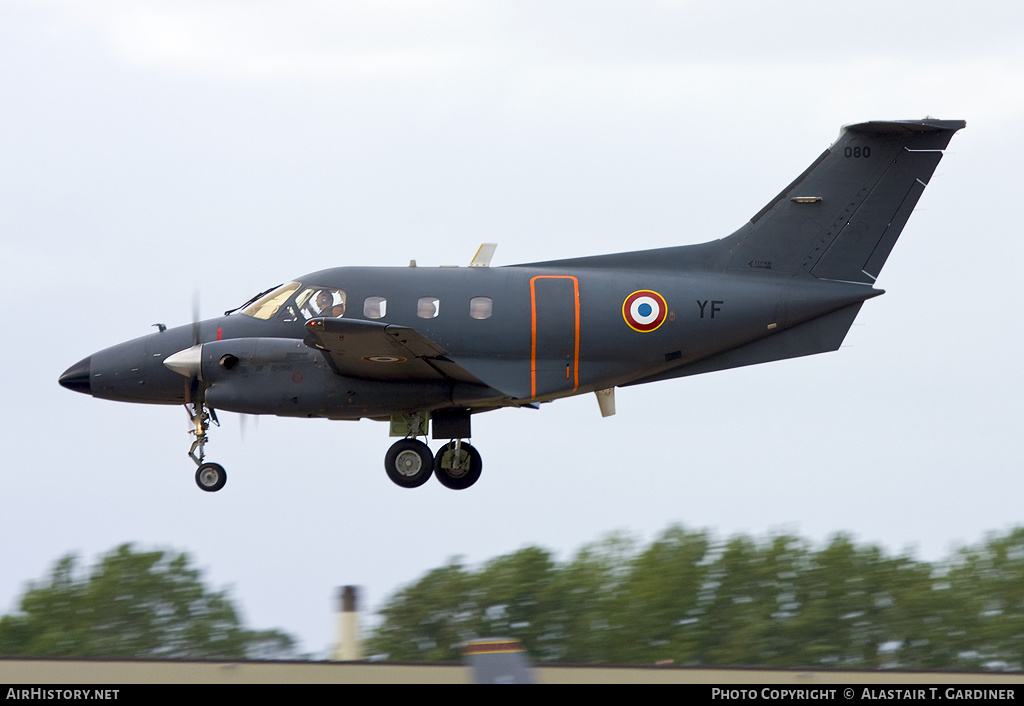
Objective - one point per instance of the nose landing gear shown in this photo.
(210, 477)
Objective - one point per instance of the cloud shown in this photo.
(303, 40)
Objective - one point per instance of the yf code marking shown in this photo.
(712, 310)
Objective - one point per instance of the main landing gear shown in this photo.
(210, 477)
(410, 464)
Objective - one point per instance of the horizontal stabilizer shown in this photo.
(820, 335)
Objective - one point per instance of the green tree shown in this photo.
(989, 630)
(133, 604)
(516, 597)
(694, 600)
(659, 612)
(427, 620)
(749, 601)
(591, 618)
(511, 596)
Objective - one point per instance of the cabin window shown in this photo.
(375, 307)
(428, 307)
(480, 307)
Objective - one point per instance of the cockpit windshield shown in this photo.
(266, 306)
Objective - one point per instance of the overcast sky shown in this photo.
(152, 149)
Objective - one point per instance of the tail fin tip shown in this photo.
(943, 130)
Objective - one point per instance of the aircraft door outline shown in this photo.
(554, 334)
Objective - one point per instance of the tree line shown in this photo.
(132, 603)
(690, 599)
(687, 598)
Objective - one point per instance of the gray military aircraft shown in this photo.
(430, 347)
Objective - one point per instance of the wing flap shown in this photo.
(374, 350)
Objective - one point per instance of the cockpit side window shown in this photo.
(266, 306)
(315, 302)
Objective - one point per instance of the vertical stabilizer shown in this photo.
(840, 219)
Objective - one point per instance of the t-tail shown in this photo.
(837, 221)
(834, 225)
(840, 219)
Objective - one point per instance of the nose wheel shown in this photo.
(211, 477)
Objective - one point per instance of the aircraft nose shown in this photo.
(77, 377)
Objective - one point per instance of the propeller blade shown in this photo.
(195, 317)
(243, 426)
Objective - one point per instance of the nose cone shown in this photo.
(188, 362)
(77, 377)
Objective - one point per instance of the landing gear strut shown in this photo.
(210, 477)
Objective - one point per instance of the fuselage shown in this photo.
(524, 333)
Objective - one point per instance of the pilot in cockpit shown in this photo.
(324, 302)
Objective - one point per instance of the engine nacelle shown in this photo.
(282, 376)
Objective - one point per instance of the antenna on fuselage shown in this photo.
(483, 255)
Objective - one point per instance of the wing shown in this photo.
(379, 351)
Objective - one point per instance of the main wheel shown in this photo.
(461, 475)
(211, 477)
(409, 463)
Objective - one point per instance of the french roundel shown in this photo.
(645, 310)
